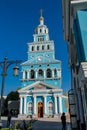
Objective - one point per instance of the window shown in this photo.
(48, 47)
(50, 106)
(55, 72)
(40, 39)
(30, 106)
(32, 73)
(40, 72)
(25, 74)
(40, 30)
(43, 47)
(31, 66)
(45, 31)
(32, 48)
(38, 47)
(49, 73)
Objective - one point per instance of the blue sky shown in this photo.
(18, 19)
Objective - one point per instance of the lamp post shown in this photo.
(5, 64)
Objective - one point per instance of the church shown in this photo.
(41, 94)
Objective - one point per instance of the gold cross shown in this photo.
(41, 12)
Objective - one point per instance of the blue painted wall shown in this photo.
(80, 31)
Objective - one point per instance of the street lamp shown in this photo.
(5, 64)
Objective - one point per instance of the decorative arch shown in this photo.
(49, 73)
(40, 72)
(32, 74)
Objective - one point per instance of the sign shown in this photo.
(71, 99)
(73, 109)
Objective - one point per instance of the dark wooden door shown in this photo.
(40, 109)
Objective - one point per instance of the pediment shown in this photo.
(37, 86)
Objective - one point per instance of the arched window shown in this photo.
(55, 72)
(49, 73)
(38, 47)
(48, 47)
(32, 48)
(32, 74)
(45, 31)
(40, 72)
(40, 30)
(30, 106)
(25, 74)
(42, 47)
(50, 107)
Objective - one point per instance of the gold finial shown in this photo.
(41, 17)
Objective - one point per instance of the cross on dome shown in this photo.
(41, 18)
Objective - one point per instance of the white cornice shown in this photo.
(78, 1)
(41, 42)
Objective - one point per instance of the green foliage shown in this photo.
(5, 129)
(17, 125)
(13, 95)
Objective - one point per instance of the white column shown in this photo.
(52, 73)
(20, 105)
(44, 73)
(23, 74)
(34, 104)
(25, 105)
(55, 101)
(59, 73)
(45, 105)
(28, 74)
(60, 104)
(36, 74)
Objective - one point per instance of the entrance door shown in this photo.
(40, 109)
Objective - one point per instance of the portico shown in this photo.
(42, 104)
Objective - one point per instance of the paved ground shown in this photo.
(49, 124)
(41, 123)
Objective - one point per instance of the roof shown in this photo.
(41, 60)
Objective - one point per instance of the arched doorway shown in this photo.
(40, 109)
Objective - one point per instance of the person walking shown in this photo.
(9, 119)
(63, 119)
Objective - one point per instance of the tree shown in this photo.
(13, 95)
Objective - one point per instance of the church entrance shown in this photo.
(40, 109)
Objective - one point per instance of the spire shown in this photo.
(41, 18)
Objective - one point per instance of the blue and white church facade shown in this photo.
(41, 94)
